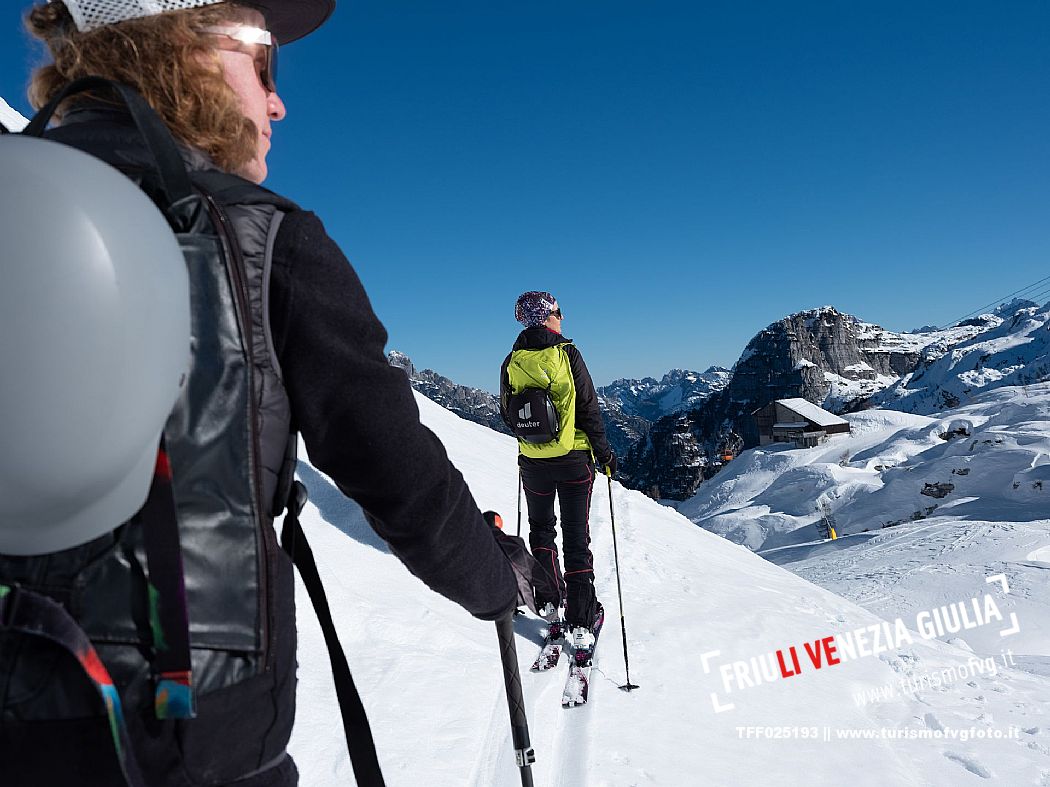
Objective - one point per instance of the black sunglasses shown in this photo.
(254, 36)
(556, 313)
(269, 72)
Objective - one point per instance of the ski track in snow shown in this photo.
(567, 732)
(969, 764)
(906, 569)
(496, 746)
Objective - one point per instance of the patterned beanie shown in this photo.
(533, 308)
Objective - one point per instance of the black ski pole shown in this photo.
(628, 686)
(518, 610)
(519, 724)
(519, 503)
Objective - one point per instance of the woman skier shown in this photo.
(563, 466)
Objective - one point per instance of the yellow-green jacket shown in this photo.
(543, 358)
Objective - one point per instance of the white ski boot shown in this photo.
(550, 613)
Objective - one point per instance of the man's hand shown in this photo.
(521, 560)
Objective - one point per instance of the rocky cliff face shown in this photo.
(473, 404)
(829, 358)
(621, 428)
(822, 355)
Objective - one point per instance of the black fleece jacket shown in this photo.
(588, 413)
(356, 413)
(361, 425)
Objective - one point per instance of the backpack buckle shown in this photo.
(9, 602)
(297, 497)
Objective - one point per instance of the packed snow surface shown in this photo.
(10, 117)
(704, 619)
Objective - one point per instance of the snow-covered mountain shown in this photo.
(677, 390)
(704, 620)
(11, 118)
(629, 407)
(1014, 349)
(829, 358)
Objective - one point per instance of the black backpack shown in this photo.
(533, 416)
(32, 613)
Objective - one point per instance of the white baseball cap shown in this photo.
(288, 20)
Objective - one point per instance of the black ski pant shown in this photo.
(570, 478)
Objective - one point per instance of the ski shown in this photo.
(550, 652)
(578, 683)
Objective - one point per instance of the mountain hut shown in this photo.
(797, 421)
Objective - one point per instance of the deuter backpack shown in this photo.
(534, 418)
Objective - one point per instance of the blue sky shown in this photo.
(678, 174)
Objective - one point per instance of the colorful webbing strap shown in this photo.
(30, 613)
(169, 619)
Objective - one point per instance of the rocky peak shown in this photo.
(1009, 309)
(678, 390)
(822, 355)
(472, 404)
(401, 361)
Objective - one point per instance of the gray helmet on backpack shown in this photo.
(94, 345)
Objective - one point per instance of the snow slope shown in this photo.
(992, 467)
(769, 496)
(895, 467)
(931, 563)
(10, 117)
(431, 680)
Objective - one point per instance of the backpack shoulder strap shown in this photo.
(227, 189)
(34, 614)
(358, 733)
(527, 373)
(174, 181)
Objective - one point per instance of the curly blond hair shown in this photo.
(165, 58)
